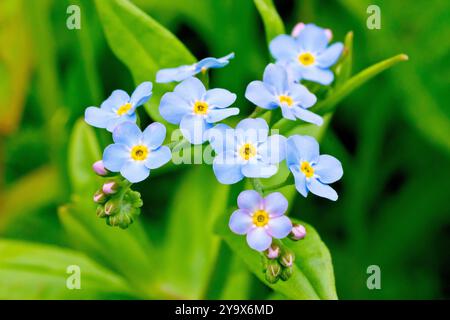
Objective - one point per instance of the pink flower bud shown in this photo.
(110, 187)
(298, 232)
(99, 197)
(329, 34)
(99, 168)
(297, 29)
(273, 252)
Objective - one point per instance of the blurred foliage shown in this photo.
(392, 136)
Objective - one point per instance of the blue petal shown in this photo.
(328, 169)
(258, 239)
(240, 222)
(127, 133)
(191, 89)
(221, 138)
(227, 172)
(154, 135)
(279, 227)
(214, 62)
(172, 107)
(287, 112)
(117, 99)
(289, 65)
(318, 75)
(329, 57)
(216, 115)
(258, 93)
(159, 157)
(313, 38)
(300, 180)
(97, 117)
(302, 148)
(115, 120)
(250, 201)
(273, 150)
(219, 98)
(302, 96)
(308, 116)
(114, 157)
(276, 77)
(275, 204)
(259, 170)
(175, 74)
(135, 171)
(194, 128)
(141, 94)
(321, 190)
(255, 130)
(283, 47)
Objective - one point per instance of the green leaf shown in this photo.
(272, 22)
(142, 44)
(344, 66)
(191, 245)
(313, 271)
(355, 82)
(83, 152)
(34, 271)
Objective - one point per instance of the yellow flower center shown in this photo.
(139, 153)
(247, 151)
(124, 109)
(260, 218)
(286, 99)
(306, 168)
(306, 58)
(200, 107)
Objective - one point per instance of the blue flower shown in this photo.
(195, 109)
(184, 72)
(246, 151)
(261, 219)
(308, 54)
(118, 108)
(135, 153)
(277, 91)
(312, 172)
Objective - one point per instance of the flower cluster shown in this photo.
(248, 150)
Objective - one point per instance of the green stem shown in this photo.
(256, 183)
(220, 272)
(257, 112)
(288, 182)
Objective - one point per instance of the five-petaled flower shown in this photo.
(195, 109)
(261, 219)
(245, 151)
(118, 108)
(183, 72)
(308, 55)
(312, 171)
(277, 91)
(135, 153)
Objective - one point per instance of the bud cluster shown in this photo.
(116, 202)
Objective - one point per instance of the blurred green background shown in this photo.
(392, 136)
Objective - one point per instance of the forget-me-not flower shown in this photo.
(195, 109)
(134, 153)
(312, 171)
(277, 91)
(245, 151)
(261, 219)
(118, 108)
(308, 54)
(184, 72)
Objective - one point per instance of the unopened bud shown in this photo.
(273, 271)
(287, 258)
(110, 187)
(99, 168)
(100, 197)
(101, 211)
(297, 29)
(112, 207)
(286, 273)
(273, 252)
(298, 232)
